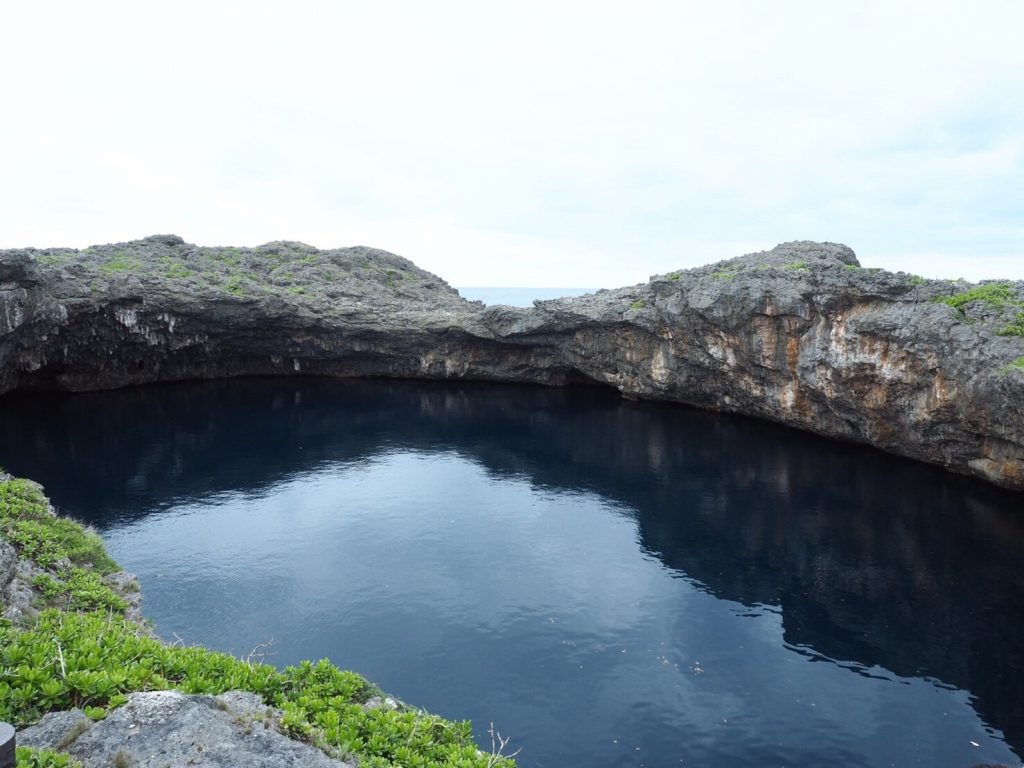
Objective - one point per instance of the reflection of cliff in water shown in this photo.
(873, 559)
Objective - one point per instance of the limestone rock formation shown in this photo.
(801, 335)
(170, 728)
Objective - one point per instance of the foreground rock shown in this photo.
(169, 728)
(800, 335)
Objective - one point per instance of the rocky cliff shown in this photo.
(801, 335)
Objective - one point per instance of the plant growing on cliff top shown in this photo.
(996, 295)
(93, 660)
(1016, 326)
(234, 286)
(121, 262)
(27, 522)
(176, 269)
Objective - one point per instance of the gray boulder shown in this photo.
(165, 729)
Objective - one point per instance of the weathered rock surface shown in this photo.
(169, 728)
(21, 599)
(800, 335)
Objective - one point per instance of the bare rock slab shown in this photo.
(169, 729)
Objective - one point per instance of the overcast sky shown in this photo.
(523, 143)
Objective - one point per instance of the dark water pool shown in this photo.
(611, 583)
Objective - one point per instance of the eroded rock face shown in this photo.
(801, 335)
(169, 728)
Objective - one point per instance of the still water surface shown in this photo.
(611, 583)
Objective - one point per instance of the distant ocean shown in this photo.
(519, 297)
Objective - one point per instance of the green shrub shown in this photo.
(796, 265)
(121, 262)
(26, 521)
(1015, 328)
(176, 269)
(93, 660)
(28, 757)
(234, 286)
(638, 304)
(53, 259)
(996, 295)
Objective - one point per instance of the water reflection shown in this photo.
(877, 566)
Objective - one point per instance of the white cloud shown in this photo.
(521, 143)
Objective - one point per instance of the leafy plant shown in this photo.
(28, 757)
(176, 269)
(53, 259)
(122, 261)
(638, 304)
(27, 522)
(796, 265)
(92, 660)
(1016, 326)
(995, 295)
(725, 274)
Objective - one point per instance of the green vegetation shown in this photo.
(1016, 326)
(1015, 366)
(796, 265)
(995, 295)
(229, 256)
(53, 259)
(234, 285)
(638, 304)
(725, 274)
(122, 261)
(86, 654)
(176, 269)
(850, 267)
(917, 280)
(26, 522)
(675, 275)
(27, 757)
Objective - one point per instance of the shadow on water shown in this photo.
(874, 561)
